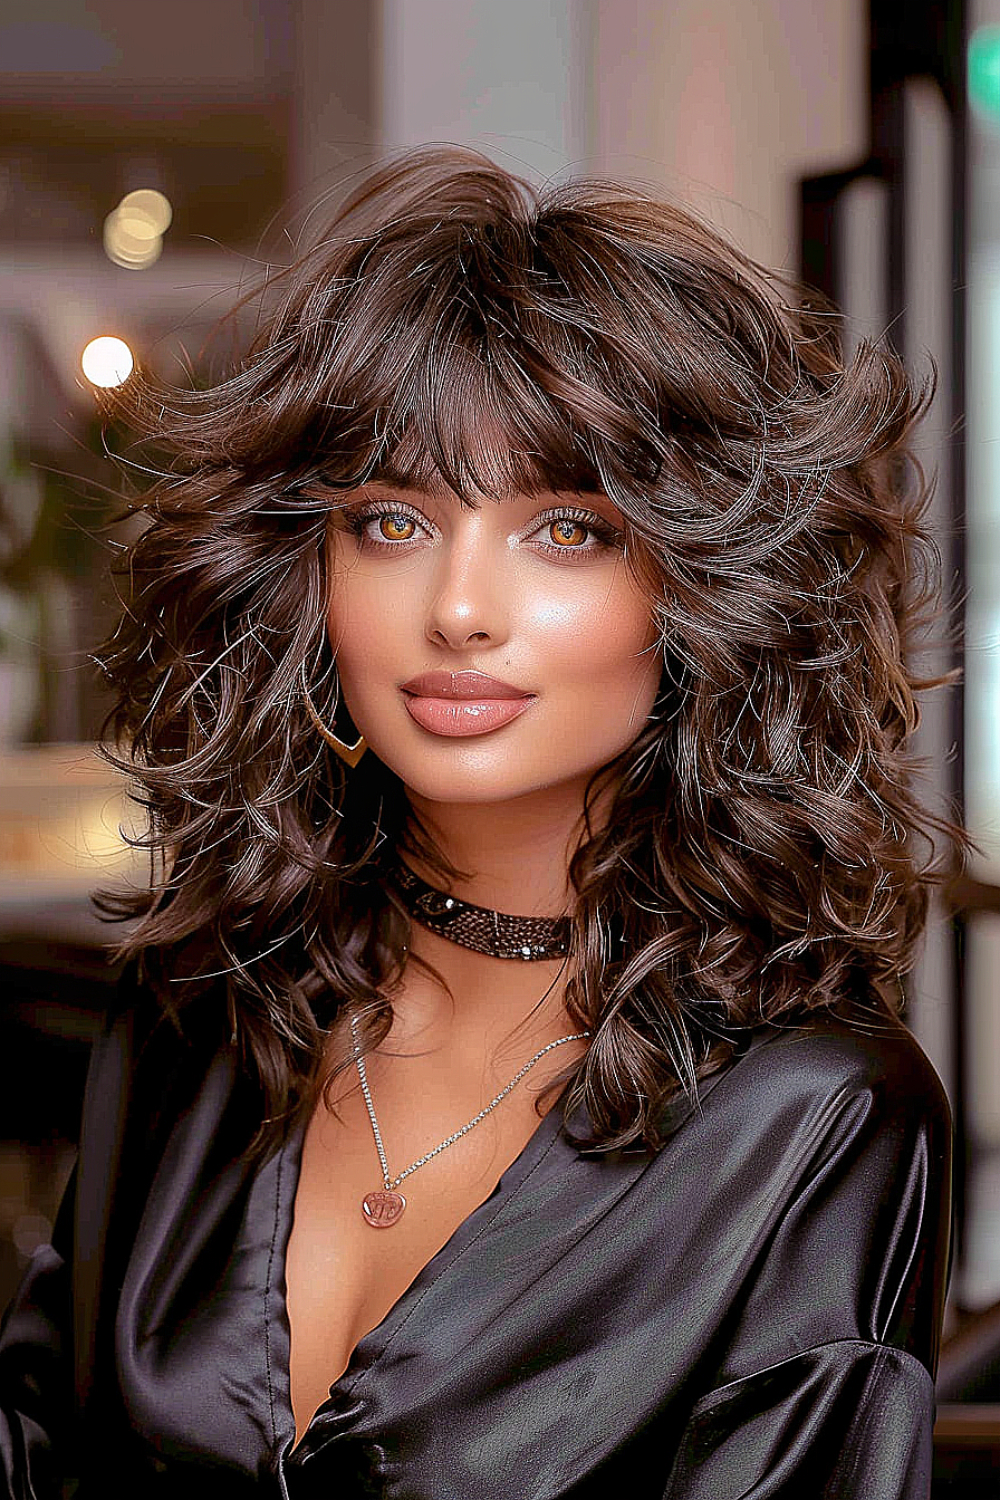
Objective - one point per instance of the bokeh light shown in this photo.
(107, 361)
(148, 204)
(133, 232)
(984, 72)
(134, 251)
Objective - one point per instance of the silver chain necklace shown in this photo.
(384, 1206)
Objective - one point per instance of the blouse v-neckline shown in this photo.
(373, 1345)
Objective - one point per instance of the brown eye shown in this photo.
(396, 528)
(568, 533)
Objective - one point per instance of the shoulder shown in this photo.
(875, 1063)
(858, 1104)
(836, 1137)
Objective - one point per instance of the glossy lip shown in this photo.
(461, 717)
(461, 704)
(461, 685)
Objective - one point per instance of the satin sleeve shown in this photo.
(36, 1381)
(850, 1420)
(826, 1388)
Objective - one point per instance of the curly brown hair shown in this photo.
(765, 852)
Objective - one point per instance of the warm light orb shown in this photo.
(133, 232)
(107, 361)
(149, 205)
(136, 225)
(126, 247)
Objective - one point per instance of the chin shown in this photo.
(480, 779)
(475, 794)
(458, 787)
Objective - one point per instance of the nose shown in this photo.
(466, 606)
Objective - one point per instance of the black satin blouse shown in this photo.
(752, 1311)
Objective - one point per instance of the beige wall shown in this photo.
(723, 103)
(508, 76)
(727, 102)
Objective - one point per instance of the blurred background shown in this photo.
(153, 160)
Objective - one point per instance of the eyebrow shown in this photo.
(410, 487)
(441, 491)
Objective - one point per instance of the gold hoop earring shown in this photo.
(349, 754)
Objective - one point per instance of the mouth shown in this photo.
(461, 704)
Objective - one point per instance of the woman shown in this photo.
(510, 1097)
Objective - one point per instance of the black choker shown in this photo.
(478, 927)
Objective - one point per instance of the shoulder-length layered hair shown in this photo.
(765, 853)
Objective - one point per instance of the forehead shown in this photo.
(439, 490)
(435, 488)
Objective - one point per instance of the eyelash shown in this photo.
(604, 534)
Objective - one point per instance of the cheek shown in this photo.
(608, 635)
(353, 644)
(364, 623)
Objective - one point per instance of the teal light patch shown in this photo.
(984, 72)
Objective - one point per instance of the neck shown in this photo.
(513, 856)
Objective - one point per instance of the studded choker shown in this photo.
(478, 927)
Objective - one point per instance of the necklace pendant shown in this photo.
(382, 1208)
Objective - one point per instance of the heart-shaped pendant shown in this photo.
(382, 1208)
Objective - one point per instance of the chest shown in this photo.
(583, 1277)
(343, 1275)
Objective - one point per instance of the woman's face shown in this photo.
(428, 598)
